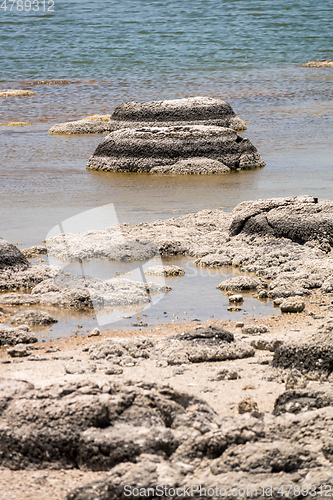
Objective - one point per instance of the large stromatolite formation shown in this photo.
(146, 148)
(176, 112)
(190, 111)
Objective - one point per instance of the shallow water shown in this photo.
(249, 54)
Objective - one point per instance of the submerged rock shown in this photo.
(15, 92)
(301, 219)
(167, 271)
(175, 112)
(306, 357)
(35, 251)
(141, 149)
(320, 63)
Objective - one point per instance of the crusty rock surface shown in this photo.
(301, 219)
(75, 291)
(15, 92)
(292, 305)
(16, 272)
(306, 357)
(194, 110)
(32, 317)
(194, 346)
(141, 149)
(35, 251)
(320, 63)
(18, 335)
(94, 124)
(284, 260)
(167, 271)
(192, 166)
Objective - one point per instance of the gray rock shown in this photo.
(176, 112)
(95, 332)
(32, 317)
(301, 219)
(226, 375)
(254, 329)
(35, 251)
(236, 298)
(303, 399)
(167, 271)
(141, 149)
(272, 457)
(292, 305)
(319, 63)
(211, 335)
(15, 92)
(11, 258)
(95, 124)
(19, 351)
(306, 357)
(192, 166)
(19, 335)
(75, 291)
(242, 283)
(247, 405)
(16, 272)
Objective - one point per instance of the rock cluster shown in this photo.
(161, 149)
(16, 272)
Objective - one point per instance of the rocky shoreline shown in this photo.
(232, 404)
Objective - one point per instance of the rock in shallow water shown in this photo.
(319, 63)
(32, 317)
(141, 149)
(15, 92)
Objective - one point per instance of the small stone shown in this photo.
(247, 405)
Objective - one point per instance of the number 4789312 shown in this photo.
(28, 5)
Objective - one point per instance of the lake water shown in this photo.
(249, 53)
